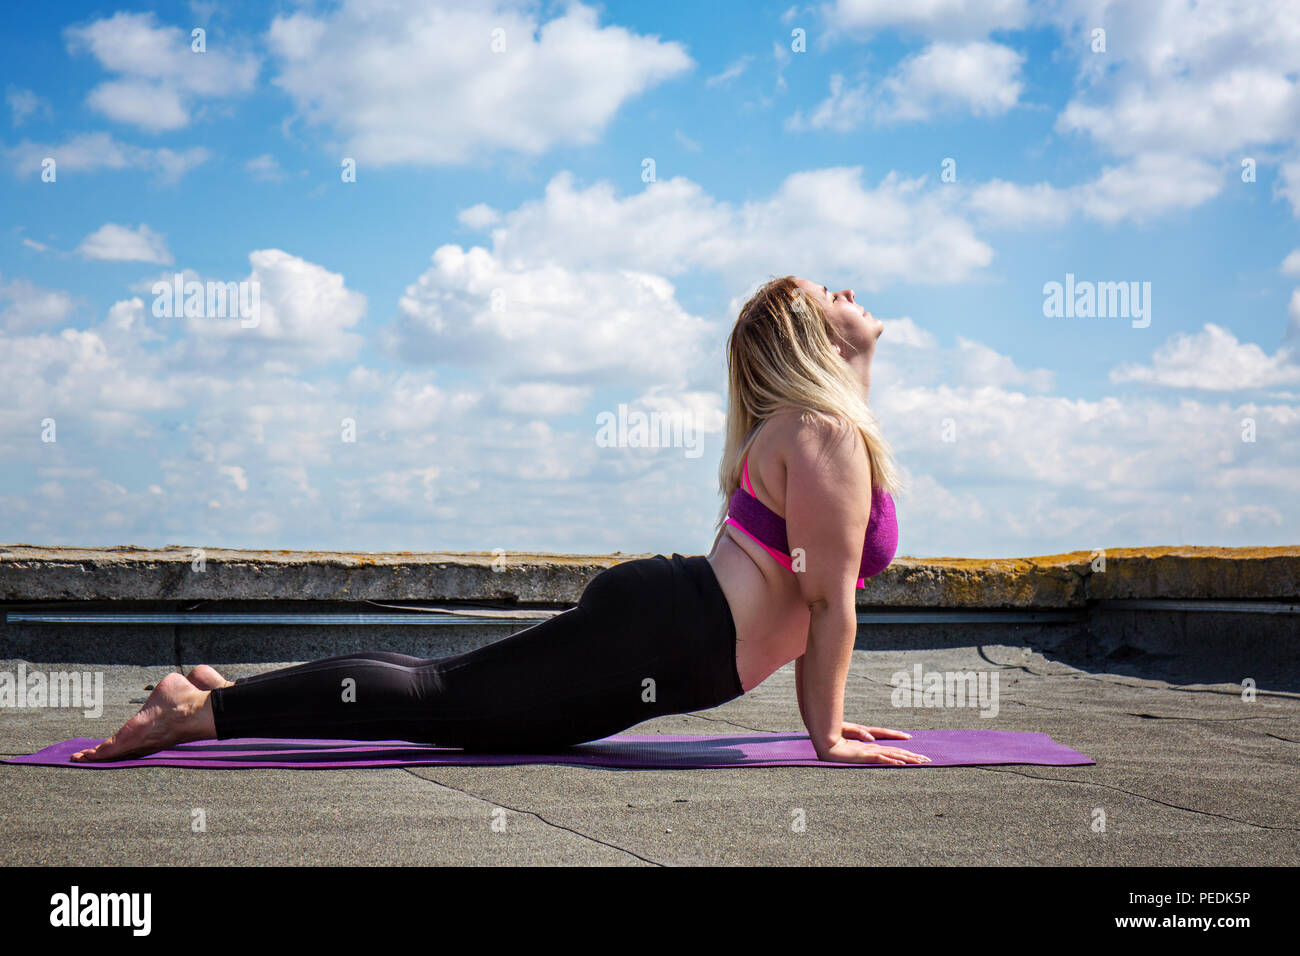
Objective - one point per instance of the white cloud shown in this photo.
(1288, 184)
(979, 77)
(94, 151)
(154, 108)
(1182, 92)
(264, 168)
(162, 77)
(114, 243)
(1149, 185)
(949, 19)
(542, 398)
(251, 451)
(845, 109)
(173, 165)
(909, 357)
(981, 365)
(1213, 360)
(1001, 203)
(905, 332)
(31, 307)
(1189, 79)
(24, 104)
(1066, 473)
(559, 82)
(236, 475)
(1291, 264)
(734, 70)
(128, 317)
(544, 321)
(686, 141)
(1141, 188)
(305, 317)
(818, 223)
(479, 216)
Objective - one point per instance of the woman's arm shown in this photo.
(827, 502)
(798, 688)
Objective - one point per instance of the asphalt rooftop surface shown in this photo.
(1185, 775)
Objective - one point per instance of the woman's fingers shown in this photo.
(856, 751)
(887, 733)
(857, 732)
(904, 756)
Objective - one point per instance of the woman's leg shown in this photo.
(622, 656)
(600, 667)
(558, 679)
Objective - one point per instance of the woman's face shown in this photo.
(855, 330)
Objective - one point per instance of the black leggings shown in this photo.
(648, 637)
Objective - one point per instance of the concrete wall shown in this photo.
(1200, 645)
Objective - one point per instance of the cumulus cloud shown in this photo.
(1181, 92)
(947, 19)
(1181, 77)
(542, 398)
(264, 168)
(24, 104)
(1213, 360)
(114, 243)
(545, 84)
(28, 306)
(160, 76)
(904, 331)
(1140, 189)
(845, 108)
(305, 317)
(982, 365)
(980, 77)
(991, 467)
(544, 321)
(818, 223)
(96, 151)
(977, 77)
(1288, 185)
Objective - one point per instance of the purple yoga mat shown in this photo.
(945, 748)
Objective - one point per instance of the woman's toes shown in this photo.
(206, 678)
(159, 724)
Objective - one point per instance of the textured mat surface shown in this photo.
(945, 748)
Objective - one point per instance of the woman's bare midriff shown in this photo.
(771, 618)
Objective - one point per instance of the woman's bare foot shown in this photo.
(206, 678)
(176, 712)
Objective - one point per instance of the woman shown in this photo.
(657, 635)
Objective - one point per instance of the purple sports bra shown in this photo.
(768, 528)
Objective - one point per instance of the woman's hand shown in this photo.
(868, 734)
(846, 750)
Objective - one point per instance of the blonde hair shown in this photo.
(780, 354)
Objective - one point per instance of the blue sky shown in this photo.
(520, 172)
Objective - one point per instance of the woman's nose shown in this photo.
(849, 293)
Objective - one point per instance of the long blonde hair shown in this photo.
(780, 355)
